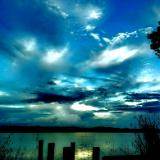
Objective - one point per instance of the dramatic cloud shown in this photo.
(77, 62)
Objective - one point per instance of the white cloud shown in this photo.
(13, 106)
(57, 82)
(95, 36)
(117, 98)
(132, 103)
(149, 79)
(52, 56)
(89, 27)
(94, 13)
(63, 115)
(57, 7)
(79, 82)
(146, 30)
(29, 44)
(139, 103)
(113, 56)
(2, 93)
(104, 115)
(119, 38)
(53, 112)
(148, 75)
(89, 88)
(107, 40)
(82, 107)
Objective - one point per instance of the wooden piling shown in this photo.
(40, 150)
(69, 152)
(51, 147)
(96, 153)
(73, 151)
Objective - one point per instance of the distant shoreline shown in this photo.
(46, 129)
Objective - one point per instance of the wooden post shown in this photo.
(96, 153)
(73, 151)
(51, 147)
(69, 152)
(40, 150)
(66, 153)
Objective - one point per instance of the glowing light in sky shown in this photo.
(94, 14)
(53, 56)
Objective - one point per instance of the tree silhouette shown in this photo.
(148, 142)
(155, 40)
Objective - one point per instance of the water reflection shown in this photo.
(83, 154)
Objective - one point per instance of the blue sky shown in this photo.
(77, 62)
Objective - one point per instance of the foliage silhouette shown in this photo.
(155, 40)
(148, 143)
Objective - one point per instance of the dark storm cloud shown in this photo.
(53, 97)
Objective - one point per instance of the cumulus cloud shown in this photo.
(82, 107)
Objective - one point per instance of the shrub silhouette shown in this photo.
(7, 152)
(148, 142)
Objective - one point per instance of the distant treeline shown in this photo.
(44, 129)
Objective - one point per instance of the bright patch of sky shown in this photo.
(94, 14)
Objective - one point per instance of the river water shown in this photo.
(109, 143)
